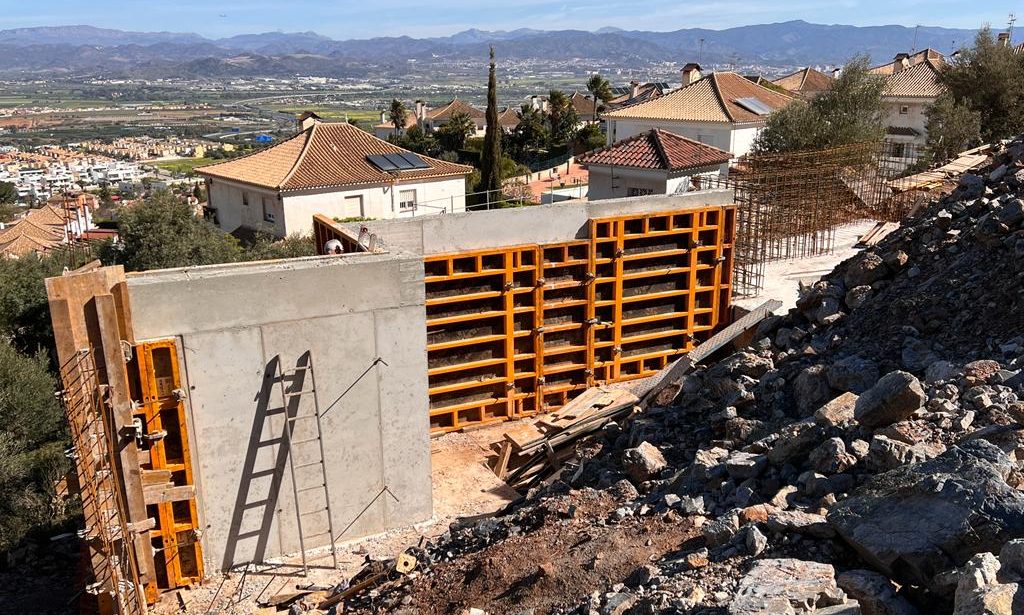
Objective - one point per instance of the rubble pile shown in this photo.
(863, 455)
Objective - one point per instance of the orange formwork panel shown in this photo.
(524, 329)
(167, 473)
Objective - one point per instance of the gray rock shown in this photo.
(858, 296)
(865, 270)
(794, 440)
(643, 462)
(810, 389)
(874, 592)
(919, 520)
(916, 355)
(800, 522)
(1011, 559)
(941, 371)
(979, 590)
(893, 398)
(885, 453)
(774, 586)
(721, 530)
(838, 412)
(756, 542)
(830, 457)
(852, 373)
(742, 466)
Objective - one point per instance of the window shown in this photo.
(245, 199)
(904, 109)
(268, 214)
(640, 191)
(407, 200)
(353, 206)
(898, 150)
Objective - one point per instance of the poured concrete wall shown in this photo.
(541, 224)
(234, 323)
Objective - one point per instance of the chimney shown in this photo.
(836, 72)
(307, 119)
(634, 89)
(383, 117)
(1004, 39)
(900, 62)
(534, 104)
(690, 73)
(421, 110)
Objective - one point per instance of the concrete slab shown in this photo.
(782, 278)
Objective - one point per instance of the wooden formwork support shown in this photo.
(524, 329)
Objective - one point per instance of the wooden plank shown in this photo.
(126, 453)
(162, 494)
(155, 477)
(502, 464)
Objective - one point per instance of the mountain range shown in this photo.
(80, 50)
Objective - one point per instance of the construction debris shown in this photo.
(792, 459)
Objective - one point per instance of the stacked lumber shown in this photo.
(524, 461)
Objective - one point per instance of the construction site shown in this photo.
(492, 411)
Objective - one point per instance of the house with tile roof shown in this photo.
(386, 128)
(721, 109)
(911, 86)
(652, 162)
(45, 229)
(432, 119)
(334, 169)
(806, 83)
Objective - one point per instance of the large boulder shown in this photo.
(776, 586)
(643, 462)
(925, 518)
(875, 593)
(894, 398)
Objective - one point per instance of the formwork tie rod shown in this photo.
(354, 383)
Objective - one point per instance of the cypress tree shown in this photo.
(490, 171)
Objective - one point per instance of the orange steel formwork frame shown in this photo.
(519, 330)
(167, 459)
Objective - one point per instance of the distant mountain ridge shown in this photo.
(76, 49)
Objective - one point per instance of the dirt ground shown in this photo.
(463, 487)
(519, 573)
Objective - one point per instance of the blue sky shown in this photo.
(351, 19)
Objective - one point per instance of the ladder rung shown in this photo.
(301, 418)
(301, 368)
(296, 393)
(256, 504)
(306, 465)
(315, 511)
(305, 440)
(320, 486)
(317, 534)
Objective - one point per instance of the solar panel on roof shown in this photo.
(414, 160)
(382, 163)
(754, 105)
(400, 163)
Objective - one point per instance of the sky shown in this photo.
(420, 18)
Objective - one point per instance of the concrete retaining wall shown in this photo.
(555, 223)
(234, 323)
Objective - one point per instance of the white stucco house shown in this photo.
(911, 86)
(652, 162)
(721, 109)
(333, 169)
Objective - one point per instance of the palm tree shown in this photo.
(455, 131)
(599, 88)
(397, 115)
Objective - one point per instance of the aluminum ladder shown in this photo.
(290, 400)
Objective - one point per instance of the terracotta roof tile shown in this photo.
(455, 106)
(913, 60)
(918, 81)
(709, 99)
(805, 81)
(324, 155)
(657, 149)
(509, 117)
(40, 230)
